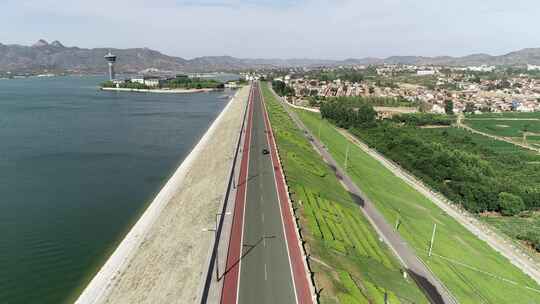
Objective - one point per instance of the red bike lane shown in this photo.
(296, 257)
(231, 276)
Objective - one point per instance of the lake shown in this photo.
(77, 168)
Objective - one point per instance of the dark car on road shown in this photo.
(265, 151)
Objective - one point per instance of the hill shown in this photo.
(57, 57)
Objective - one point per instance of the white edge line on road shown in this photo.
(250, 119)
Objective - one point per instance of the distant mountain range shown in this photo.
(55, 56)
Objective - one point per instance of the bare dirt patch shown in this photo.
(433, 127)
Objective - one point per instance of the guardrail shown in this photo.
(207, 277)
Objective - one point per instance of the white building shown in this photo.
(482, 68)
(531, 67)
(148, 81)
(152, 82)
(437, 109)
(425, 72)
(524, 108)
(231, 84)
(138, 80)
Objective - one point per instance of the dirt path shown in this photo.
(498, 242)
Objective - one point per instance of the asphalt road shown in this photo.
(265, 271)
(431, 286)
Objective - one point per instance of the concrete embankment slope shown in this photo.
(164, 257)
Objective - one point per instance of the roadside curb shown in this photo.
(300, 241)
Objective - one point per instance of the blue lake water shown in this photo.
(77, 168)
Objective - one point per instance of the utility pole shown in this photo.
(398, 220)
(432, 239)
(347, 154)
(215, 241)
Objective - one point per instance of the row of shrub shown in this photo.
(424, 119)
(349, 116)
(282, 89)
(464, 170)
(448, 159)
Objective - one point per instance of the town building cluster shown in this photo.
(462, 86)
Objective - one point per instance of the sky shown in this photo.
(322, 29)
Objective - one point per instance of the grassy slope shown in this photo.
(361, 266)
(392, 195)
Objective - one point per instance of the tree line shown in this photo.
(457, 166)
(450, 160)
(373, 100)
(347, 115)
(193, 83)
(282, 89)
(423, 119)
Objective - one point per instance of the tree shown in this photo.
(282, 89)
(510, 204)
(469, 107)
(424, 107)
(366, 114)
(347, 116)
(503, 84)
(107, 84)
(449, 107)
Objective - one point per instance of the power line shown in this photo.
(485, 272)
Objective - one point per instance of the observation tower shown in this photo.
(111, 59)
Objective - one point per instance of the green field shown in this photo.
(506, 115)
(524, 227)
(508, 124)
(350, 264)
(503, 147)
(506, 128)
(466, 265)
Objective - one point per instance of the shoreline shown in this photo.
(103, 282)
(162, 91)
